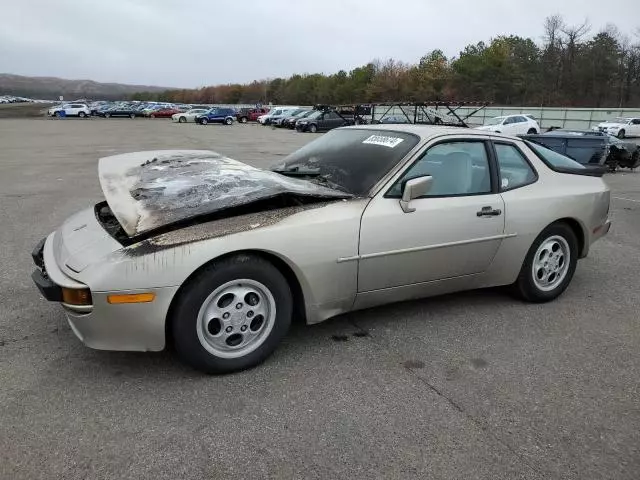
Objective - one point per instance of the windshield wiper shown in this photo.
(298, 172)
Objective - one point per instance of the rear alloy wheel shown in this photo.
(232, 315)
(107, 115)
(82, 114)
(182, 120)
(244, 119)
(621, 134)
(313, 128)
(132, 116)
(56, 114)
(203, 121)
(228, 121)
(549, 265)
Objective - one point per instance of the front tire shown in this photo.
(132, 116)
(228, 121)
(244, 119)
(549, 265)
(621, 134)
(107, 115)
(203, 121)
(232, 315)
(182, 120)
(313, 128)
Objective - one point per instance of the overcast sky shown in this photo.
(203, 42)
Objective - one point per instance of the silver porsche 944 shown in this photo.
(218, 257)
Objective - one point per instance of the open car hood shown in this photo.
(154, 189)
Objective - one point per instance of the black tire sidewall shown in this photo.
(621, 134)
(185, 315)
(313, 128)
(525, 285)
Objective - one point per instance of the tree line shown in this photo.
(571, 67)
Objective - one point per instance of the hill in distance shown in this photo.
(50, 88)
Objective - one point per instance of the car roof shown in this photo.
(426, 132)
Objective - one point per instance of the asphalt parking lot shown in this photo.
(473, 385)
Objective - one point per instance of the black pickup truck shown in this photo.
(591, 148)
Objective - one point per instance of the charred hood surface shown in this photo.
(151, 190)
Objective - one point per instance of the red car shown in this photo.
(250, 114)
(164, 113)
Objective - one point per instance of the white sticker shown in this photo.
(383, 140)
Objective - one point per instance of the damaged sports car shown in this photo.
(219, 257)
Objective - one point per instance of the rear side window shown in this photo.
(553, 159)
(515, 171)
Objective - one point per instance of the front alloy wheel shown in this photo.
(232, 315)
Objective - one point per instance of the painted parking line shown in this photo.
(627, 199)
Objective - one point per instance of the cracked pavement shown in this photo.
(473, 385)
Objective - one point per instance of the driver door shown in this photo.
(455, 229)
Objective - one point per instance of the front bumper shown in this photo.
(104, 326)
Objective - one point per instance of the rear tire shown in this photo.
(203, 121)
(217, 327)
(313, 128)
(228, 121)
(82, 114)
(244, 119)
(621, 134)
(532, 131)
(182, 120)
(56, 114)
(549, 265)
(132, 116)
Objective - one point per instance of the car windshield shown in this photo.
(495, 121)
(314, 114)
(350, 159)
(554, 159)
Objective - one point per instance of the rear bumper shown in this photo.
(601, 231)
(104, 326)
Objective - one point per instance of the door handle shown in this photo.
(489, 212)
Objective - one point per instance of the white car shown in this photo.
(70, 110)
(275, 113)
(620, 127)
(188, 116)
(512, 125)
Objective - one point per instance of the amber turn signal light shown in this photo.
(74, 296)
(131, 298)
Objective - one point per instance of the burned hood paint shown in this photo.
(149, 190)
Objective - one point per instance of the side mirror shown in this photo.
(412, 189)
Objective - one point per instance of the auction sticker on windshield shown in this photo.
(383, 140)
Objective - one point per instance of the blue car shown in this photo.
(217, 115)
